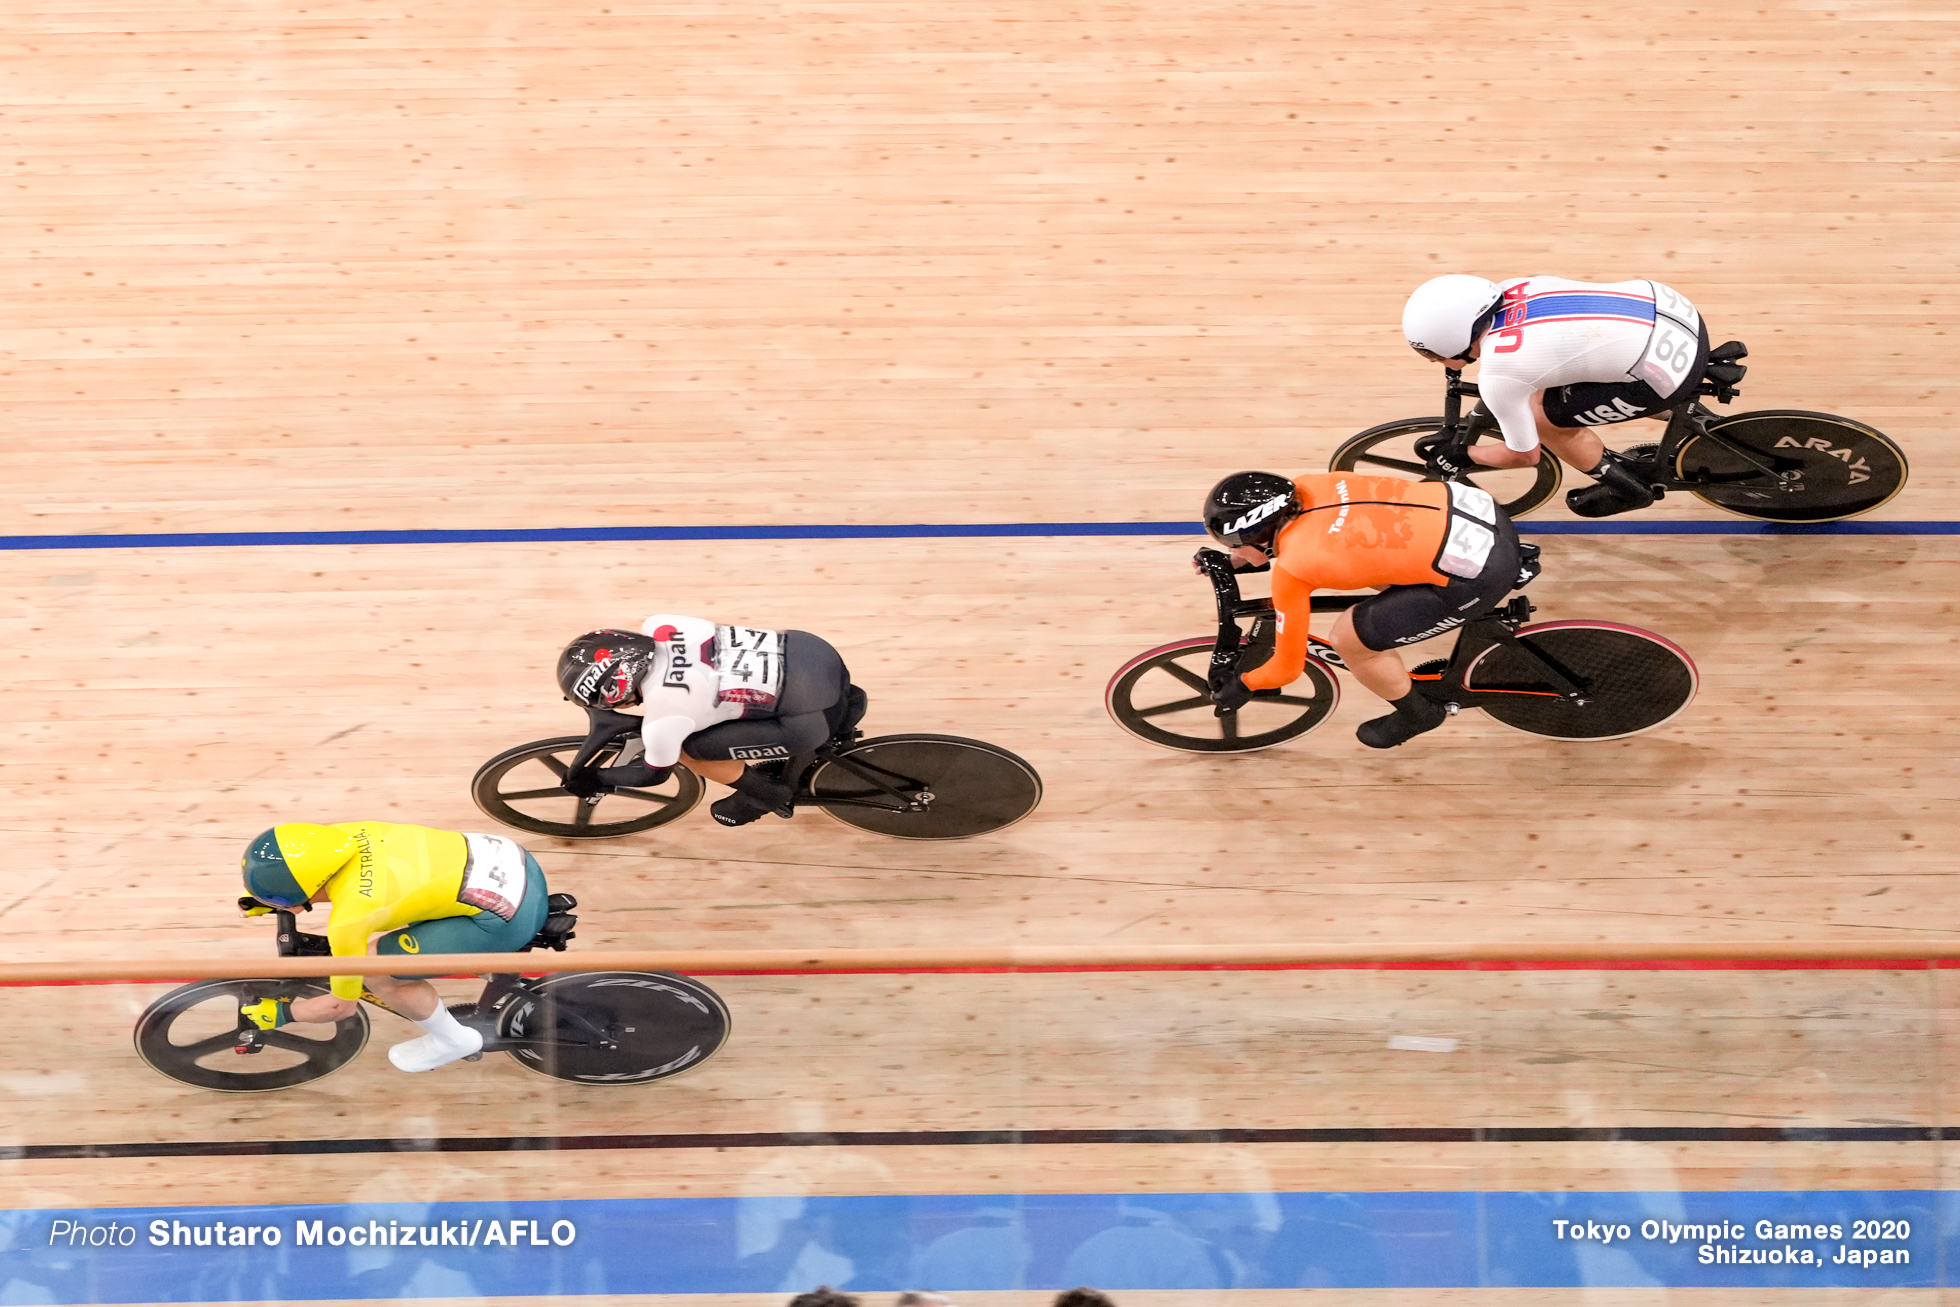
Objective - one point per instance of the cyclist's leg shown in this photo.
(811, 707)
(1368, 635)
(1568, 420)
(447, 1039)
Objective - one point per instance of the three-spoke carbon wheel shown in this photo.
(191, 1034)
(925, 787)
(523, 787)
(1162, 696)
(1837, 468)
(659, 1025)
(1634, 680)
(1389, 450)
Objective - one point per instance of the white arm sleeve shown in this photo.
(1509, 401)
(663, 736)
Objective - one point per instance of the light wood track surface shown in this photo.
(530, 265)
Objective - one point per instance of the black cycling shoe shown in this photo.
(757, 794)
(1413, 715)
(1616, 490)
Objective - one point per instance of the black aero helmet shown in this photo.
(602, 669)
(1249, 508)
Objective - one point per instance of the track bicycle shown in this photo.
(589, 1027)
(1571, 680)
(1774, 465)
(915, 787)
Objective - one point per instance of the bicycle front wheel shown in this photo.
(191, 1035)
(1842, 468)
(1634, 680)
(1389, 450)
(1162, 696)
(524, 787)
(925, 787)
(658, 1025)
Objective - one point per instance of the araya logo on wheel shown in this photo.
(1860, 470)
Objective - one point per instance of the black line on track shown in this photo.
(941, 1138)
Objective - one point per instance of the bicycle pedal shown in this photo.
(473, 1057)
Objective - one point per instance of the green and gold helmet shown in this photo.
(288, 864)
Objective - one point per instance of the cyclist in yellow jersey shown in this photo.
(398, 889)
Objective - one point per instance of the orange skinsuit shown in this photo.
(1357, 533)
(402, 875)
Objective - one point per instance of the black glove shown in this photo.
(1447, 453)
(1233, 695)
(584, 782)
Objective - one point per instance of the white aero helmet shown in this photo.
(1438, 319)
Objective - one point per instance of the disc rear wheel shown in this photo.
(658, 1025)
(524, 787)
(925, 787)
(1633, 680)
(1389, 450)
(1837, 468)
(191, 1035)
(1163, 696)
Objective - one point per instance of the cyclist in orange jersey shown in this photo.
(1440, 552)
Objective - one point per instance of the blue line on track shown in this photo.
(898, 531)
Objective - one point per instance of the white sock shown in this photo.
(444, 1026)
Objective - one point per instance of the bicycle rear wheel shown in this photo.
(1846, 468)
(1634, 680)
(661, 1025)
(190, 1035)
(1162, 696)
(1389, 450)
(523, 787)
(925, 787)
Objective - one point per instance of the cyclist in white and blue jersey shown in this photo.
(1558, 359)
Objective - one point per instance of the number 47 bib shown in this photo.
(1672, 348)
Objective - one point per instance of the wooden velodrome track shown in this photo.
(528, 265)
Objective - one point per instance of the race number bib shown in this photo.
(495, 876)
(1672, 348)
(750, 664)
(1473, 515)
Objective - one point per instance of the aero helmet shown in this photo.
(602, 669)
(1440, 320)
(1249, 508)
(288, 864)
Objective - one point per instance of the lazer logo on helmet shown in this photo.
(1256, 516)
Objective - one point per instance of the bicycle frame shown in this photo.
(906, 793)
(497, 989)
(1499, 626)
(1689, 421)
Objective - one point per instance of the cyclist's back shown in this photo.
(1363, 532)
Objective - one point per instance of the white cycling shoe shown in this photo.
(432, 1051)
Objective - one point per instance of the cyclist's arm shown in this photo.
(1509, 401)
(1293, 600)
(663, 736)
(348, 934)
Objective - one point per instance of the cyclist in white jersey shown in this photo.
(1559, 359)
(715, 697)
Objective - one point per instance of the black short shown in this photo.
(1600, 403)
(813, 706)
(1406, 614)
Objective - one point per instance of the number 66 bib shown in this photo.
(1672, 348)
